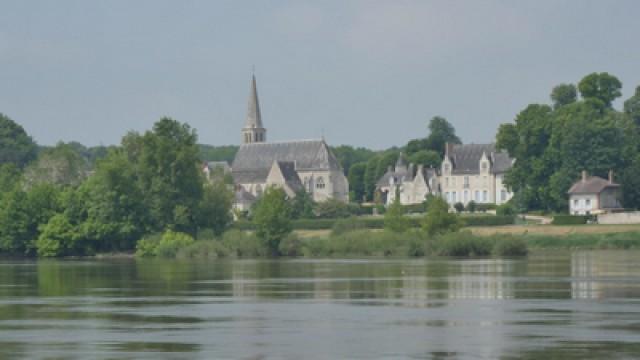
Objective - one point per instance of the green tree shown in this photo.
(438, 220)
(440, 133)
(302, 205)
(214, 210)
(332, 209)
(630, 181)
(394, 218)
(600, 86)
(507, 138)
(272, 218)
(428, 158)
(60, 165)
(348, 156)
(16, 147)
(57, 238)
(563, 94)
(10, 177)
(459, 207)
(370, 178)
(356, 178)
(632, 107)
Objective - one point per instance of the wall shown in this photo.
(581, 208)
(620, 218)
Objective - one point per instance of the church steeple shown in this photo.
(253, 131)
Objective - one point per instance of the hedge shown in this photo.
(570, 219)
(378, 222)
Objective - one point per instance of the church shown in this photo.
(294, 166)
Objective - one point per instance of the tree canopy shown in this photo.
(16, 147)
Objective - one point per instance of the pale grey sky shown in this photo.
(367, 73)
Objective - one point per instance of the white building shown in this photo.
(412, 184)
(594, 195)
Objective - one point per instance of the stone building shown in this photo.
(474, 172)
(413, 184)
(594, 195)
(291, 165)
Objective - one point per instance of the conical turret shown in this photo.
(253, 130)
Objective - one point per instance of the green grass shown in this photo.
(629, 240)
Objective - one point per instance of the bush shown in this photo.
(509, 245)
(332, 209)
(459, 207)
(485, 207)
(290, 246)
(438, 219)
(414, 208)
(366, 243)
(462, 243)
(570, 219)
(203, 249)
(243, 244)
(171, 242)
(472, 206)
(506, 210)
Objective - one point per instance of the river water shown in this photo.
(550, 305)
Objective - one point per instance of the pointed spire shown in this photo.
(254, 120)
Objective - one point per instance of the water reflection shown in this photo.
(426, 308)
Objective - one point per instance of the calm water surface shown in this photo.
(551, 305)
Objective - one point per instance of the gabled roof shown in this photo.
(244, 197)
(253, 161)
(466, 158)
(591, 185)
(291, 178)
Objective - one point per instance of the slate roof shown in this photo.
(254, 118)
(592, 185)
(466, 158)
(219, 164)
(290, 175)
(253, 161)
(402, 176)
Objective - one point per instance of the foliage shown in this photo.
(58, 238)
(166, 246)
(16, 147)
(471, 206)
(60, 165)
(348, 156)
(487, 220)
(356, 179)
(214, 209)
(506, 209)
(459, 207)
(302, 205)
(243, 244)
(272, 217)
(629, 240)
(366, 243)
(438, 220)
(462, 243)
(217, 153)
(570, 219)
(203, 249)
(632, 107)
(427, 158)
(631, 183)
(394, 218)
(563, 94)
(370, 177)
(291, 245)
(509, 245)
(600, 86)
(332, 209)
(342, 226)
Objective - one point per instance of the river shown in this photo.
(552, 304)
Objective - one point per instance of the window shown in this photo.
(477, 196)
(587, 202)
(575, 202)
(466, 181)
(320, 183)
(454, 197)
(466, 196)
(448, 197)
(446, 181)
(485, 196)
(503, 195)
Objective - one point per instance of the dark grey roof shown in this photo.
(290, 175)
(219, 164)
(243, 196)
(253, 161)
(254, 118)
(592, 185)
(466, 158)
(401, 176)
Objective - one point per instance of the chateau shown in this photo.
(307, 165)
(471, 172)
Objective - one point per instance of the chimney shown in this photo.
(584, 175)
(610, 176)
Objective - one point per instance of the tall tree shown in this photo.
(356, 178)
(272, 216)
(440, 133)
(601, 87)
(563, 94)
(632, 107)
(16, 147)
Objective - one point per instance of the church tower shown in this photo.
(253, 131)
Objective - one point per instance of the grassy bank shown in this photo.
(586, 241)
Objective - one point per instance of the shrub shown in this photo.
(146, 246)
(570, 219)
(471, 206)
(414, 208)
(171, 242)
(203, 249)
(290, 246)
(243, 244)
(509, 245)
(366, 243)
(459, 207)
(485, 207)
(57, 237)
(394, 219)
(505, 210)
(462, 243)
(438, 219)
(332, 209)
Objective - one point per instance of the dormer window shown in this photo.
(320, 183)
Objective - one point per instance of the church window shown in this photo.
(320, 183)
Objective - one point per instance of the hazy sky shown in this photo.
(366, 73)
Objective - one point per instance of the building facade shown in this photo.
(306, 165)
(472, 172)
(594, 195)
